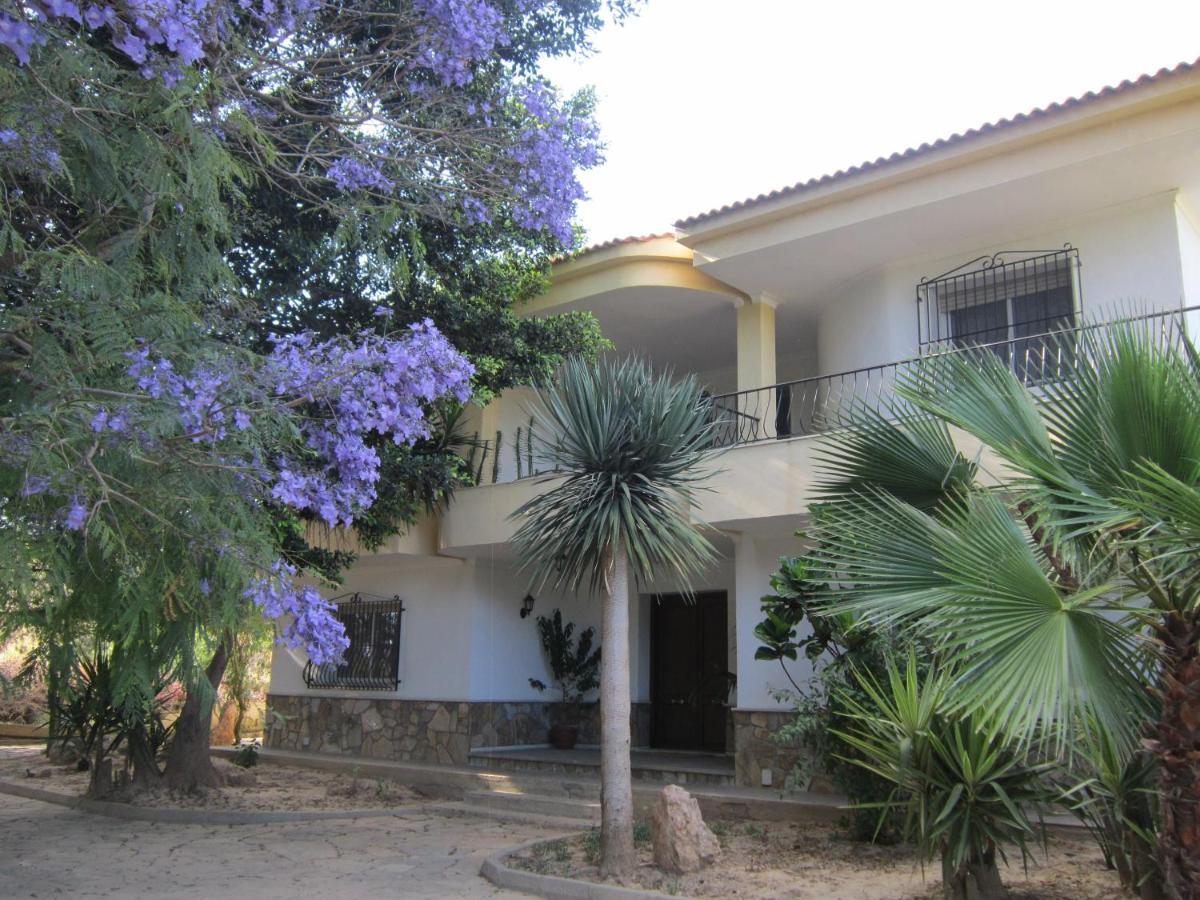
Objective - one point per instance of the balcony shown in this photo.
(812, 405)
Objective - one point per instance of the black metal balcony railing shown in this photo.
(811, 405)
(372, 661)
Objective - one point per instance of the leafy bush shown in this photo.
(1114, 791)
(574, 665)
(591, 847)
(835, 645)
(246, 756)
(964, 794)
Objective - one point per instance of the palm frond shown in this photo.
(911, 455)
(1032, 653)
(628, 449)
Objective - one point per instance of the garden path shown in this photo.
(48, 850)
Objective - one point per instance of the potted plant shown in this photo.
(575, 670)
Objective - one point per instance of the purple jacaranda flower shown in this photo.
(77, 514)
(35, 484)
(355, 175)
(305, 617)
(20, 37)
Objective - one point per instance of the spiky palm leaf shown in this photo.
(1043, 588)
(1029, 652)
(911, 455)
(961, 792)
(627, 448)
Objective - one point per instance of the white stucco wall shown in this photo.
(1188, 226)
(756, 559)
(435, 634)
(463, 637)
(1130, 263)
(505, 651)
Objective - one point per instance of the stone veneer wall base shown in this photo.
(756, 749)
(427, 731)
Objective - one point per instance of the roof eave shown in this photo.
(1163, 88)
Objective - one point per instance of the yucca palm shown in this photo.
(628, 448)
(1066, 588)
(964, 795)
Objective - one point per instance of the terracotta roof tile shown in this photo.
(614, 242)
(954, 139)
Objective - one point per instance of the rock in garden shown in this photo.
(235, 776)
(682, 842)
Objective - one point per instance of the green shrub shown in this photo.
(591, 847)
(1114, 791)
(835, 645)
(642, 833)
(964, 795)
(246, 756)
(574, 663)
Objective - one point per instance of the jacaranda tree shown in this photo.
(629, 448)
(147, 433)
(1065, 587)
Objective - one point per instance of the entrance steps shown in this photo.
(509, 801)
(572, 797)
(649, 767)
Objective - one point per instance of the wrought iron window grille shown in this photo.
(372, 661)
(1004, 297)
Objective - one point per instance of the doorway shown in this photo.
(689, 671)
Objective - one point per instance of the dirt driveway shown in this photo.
(49, 851)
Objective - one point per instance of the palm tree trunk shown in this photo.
(976, 879)
(1178, 741)
(617, 857)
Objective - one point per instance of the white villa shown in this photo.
(1081, 211)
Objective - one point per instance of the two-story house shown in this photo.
(1081, 211)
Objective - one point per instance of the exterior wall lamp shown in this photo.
(527, 605)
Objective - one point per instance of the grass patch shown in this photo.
(642, 833)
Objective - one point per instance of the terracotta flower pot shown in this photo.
(563, 737)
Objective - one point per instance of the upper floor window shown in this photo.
(372, 661)
(1010, 302)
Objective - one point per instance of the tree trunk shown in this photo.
(141, 755)
(189, 761)
(1178, 745)
(976, 879)
(617, 857)
(100, 782)
(237, 722)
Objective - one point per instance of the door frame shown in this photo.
(698, 597)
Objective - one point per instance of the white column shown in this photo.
(756, 368)
(756, 342)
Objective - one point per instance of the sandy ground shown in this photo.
(50, 851)
(812, 861)
(274, 787)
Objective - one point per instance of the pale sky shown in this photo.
(703, 102)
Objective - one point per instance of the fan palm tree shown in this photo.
(1067, 587)
(628, 449)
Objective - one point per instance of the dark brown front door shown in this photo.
(689, 677)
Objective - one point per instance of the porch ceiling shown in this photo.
(683, 329)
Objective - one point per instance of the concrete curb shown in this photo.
(496, 870)
(22, 732)
(201, 816)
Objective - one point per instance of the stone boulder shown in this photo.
(235, 776)
(682, 842)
